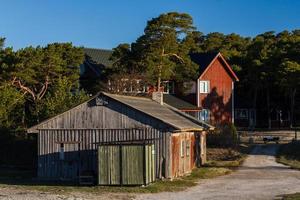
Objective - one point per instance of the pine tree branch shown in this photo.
(44, 89)
(174, 55)
(25, 89)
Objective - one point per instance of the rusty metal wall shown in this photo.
(183, 164)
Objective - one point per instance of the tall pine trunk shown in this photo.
(254, 102)
(268, 108)
(293, 94)
(159, 80)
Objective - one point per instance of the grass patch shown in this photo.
(289, 154)
(295, 196)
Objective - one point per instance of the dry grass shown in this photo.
(295, 196)
(227, 157)
(289, 154)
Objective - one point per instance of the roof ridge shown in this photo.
(127, 96)
(92, 48)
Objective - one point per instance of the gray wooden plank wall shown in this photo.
(112, 116)
(80, 147)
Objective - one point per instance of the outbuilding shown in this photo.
(68, 143)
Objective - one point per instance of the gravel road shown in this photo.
(12, 193)
(260, 177)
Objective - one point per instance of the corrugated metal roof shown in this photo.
(165, 113)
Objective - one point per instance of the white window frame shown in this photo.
(204, 87)
(204, 115)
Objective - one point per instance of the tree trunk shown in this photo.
(254, 103)
(293, 94)
(159, 79)
(268, 108)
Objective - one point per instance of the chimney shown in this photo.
(158, 97)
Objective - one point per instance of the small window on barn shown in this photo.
(62, 152)
(204, 87)
(188, 148)
(182, 148)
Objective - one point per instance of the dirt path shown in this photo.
(260, 177)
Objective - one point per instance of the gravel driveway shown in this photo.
(260, 177)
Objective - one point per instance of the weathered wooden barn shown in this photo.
(67, 143)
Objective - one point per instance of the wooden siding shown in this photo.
(80, 150)
(219, 99)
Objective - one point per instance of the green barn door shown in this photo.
(126, 164)
(109, 165)
(133, 165)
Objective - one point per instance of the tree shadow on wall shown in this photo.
(220, 111)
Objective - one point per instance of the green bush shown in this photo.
(225, 136)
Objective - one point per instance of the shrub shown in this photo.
(224, 136)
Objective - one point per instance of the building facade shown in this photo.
(67, 143)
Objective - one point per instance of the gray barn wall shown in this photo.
(80, 147)
(82, 127)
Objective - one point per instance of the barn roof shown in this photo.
(164, 113)
(205, 60)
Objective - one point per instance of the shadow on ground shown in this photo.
(21, 177)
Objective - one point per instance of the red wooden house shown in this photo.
(211, 96)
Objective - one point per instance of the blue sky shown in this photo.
(105, 24)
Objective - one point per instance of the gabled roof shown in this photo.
(98, 56)
(178, 103)
(165, 113)
(205, 60)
